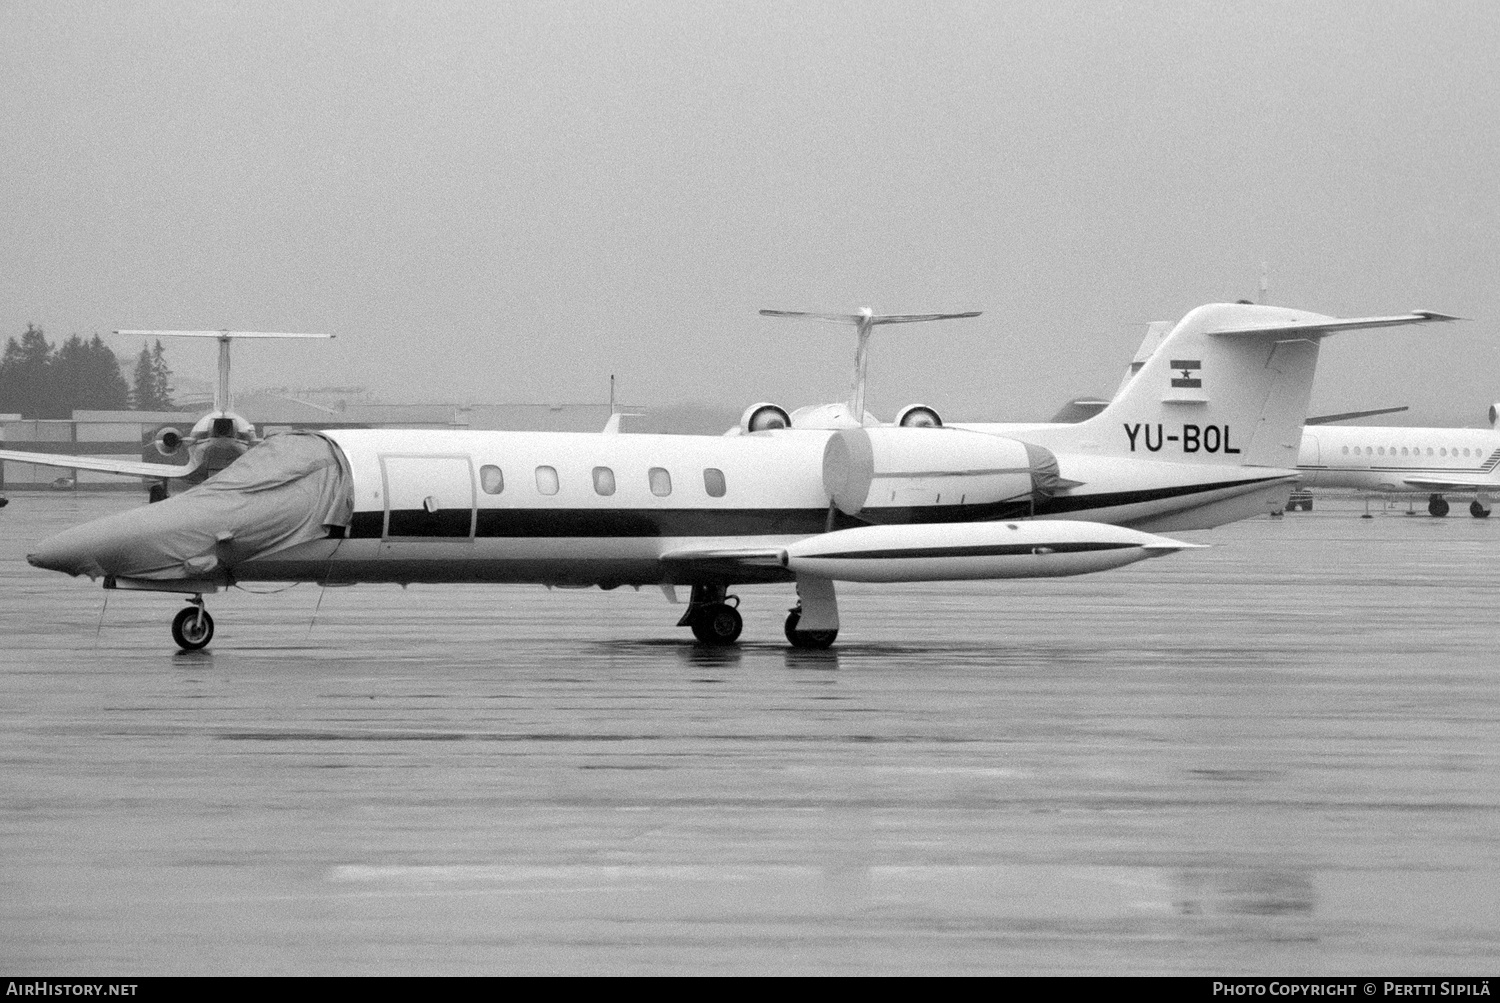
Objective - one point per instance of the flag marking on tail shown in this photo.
(1191, 370)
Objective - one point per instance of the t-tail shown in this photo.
(1230, 383)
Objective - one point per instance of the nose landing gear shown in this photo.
(193, 628)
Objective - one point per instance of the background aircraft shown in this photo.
(215, 440)
(772, 504)
(1407, 462)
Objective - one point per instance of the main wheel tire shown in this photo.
(192, 628)
(815, 639)
(718, 624)
(1437, 508)
(1478, 511)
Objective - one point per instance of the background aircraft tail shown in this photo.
(1230, 383)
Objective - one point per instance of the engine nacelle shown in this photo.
(763, 417)
(168, 441)
(870, 469)
(918, 416)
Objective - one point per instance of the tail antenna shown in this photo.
(864, 322)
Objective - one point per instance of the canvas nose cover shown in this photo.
(288, 490)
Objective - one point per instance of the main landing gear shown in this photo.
(193, 628)
(813, 623)
(1437, 507)
(713, 616)
(814, 639)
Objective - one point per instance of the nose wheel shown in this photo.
(193, 628)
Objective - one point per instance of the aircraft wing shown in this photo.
(1318, 328)
(126, 468)
(1452, 483)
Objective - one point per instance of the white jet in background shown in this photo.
(215, 441)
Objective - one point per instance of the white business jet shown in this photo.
(216, 440)
(1205, 433)
(1406, 461)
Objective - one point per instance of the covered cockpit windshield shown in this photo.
(291, 489)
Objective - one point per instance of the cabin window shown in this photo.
(1403, 450)
(1443, 451)
(1382, 450)
(604, 481)
(1466, 450)
(1346, 450)
(1369, 450)
(491, 479)
(1429, 450)
(713, 482)
(661, 481)
(546, 480)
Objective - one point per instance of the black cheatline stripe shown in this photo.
(996, 550)
(542, 523)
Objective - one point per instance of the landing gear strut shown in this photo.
(193, 628)
(1437, 507)
(712, 616)
(815, 639)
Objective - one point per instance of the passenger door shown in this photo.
(428, 497)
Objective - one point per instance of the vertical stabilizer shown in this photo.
(1230, 383)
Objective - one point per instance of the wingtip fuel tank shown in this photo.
(949, 551)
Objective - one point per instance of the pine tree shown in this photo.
(25, 377)
(142, 389)
(161, 378)
(67, 372)
(10, 381)
(107, 389)
(96, 381)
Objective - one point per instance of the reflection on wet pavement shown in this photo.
(1275, 756)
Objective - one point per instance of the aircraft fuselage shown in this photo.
(1390, 459)
(585, 509)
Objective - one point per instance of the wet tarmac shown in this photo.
(1277, 756)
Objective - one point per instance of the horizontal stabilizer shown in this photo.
(223, 334)
(128, 468)
(1314, 327)
(1329, 419)
(870, 318)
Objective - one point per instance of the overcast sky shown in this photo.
(497, 202)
